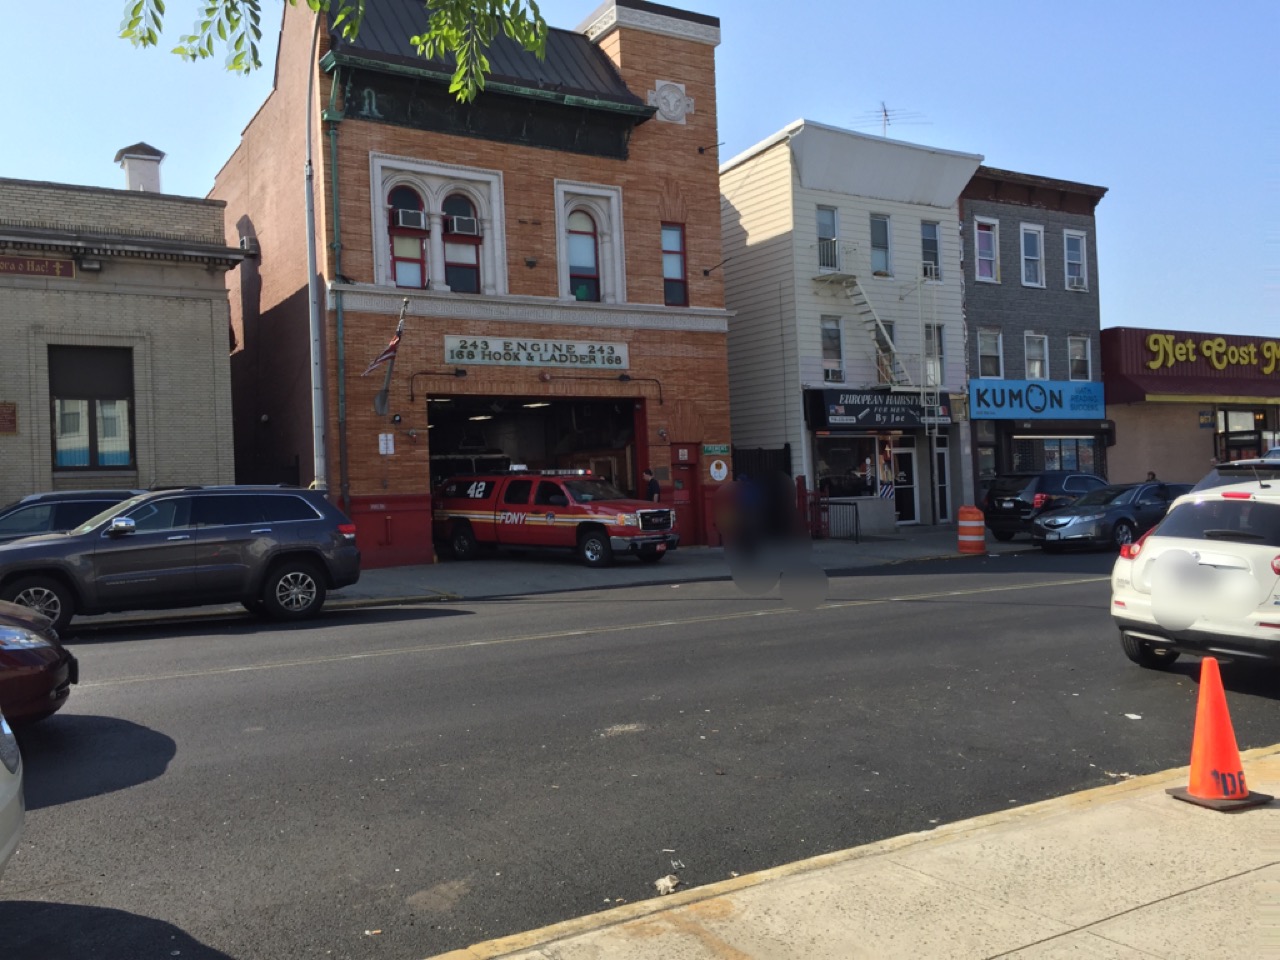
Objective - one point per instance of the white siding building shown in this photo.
(842, 268)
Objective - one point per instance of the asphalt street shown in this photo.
(397, 782)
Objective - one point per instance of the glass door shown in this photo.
(905, 495)
(941, 480)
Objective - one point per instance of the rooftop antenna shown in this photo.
(886, 116)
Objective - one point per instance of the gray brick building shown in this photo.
(1033, 323)
(114, 317)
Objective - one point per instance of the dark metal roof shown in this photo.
(139, 150)
(573, 67)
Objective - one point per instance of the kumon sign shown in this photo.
(1035, 400)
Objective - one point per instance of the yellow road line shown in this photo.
(568, 634)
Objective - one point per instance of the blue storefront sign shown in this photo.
(1035, 400)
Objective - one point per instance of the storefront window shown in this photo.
(842, 466)
(1055, 453)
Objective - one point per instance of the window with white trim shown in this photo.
(407, 220)
(828, 239)
(931, 268)
(986, 244)
(832, 351)
(881, 264)
(991, 354)
(1037, 351)
(596, 214)
(584, 257)
(1032, 255)
(441, 221)
(1078, 351)
(934, 361)
(461, 245)
(1075, 266)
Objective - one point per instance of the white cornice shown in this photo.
(613, 17)
(367, 298)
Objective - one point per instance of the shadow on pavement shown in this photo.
(246, 625)
(65, 931)
(72, 757)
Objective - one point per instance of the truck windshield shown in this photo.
(589, 491)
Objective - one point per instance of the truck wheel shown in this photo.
(594, 548)
(294, 591)
(1145, 654)
(44, 595)
(463, 542)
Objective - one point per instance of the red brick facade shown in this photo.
(678, 365)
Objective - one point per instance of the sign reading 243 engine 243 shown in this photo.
(536, 353)
(1035, 400)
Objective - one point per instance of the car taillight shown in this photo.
(348, 530)
(1040, 500)
(1275, 566)
(1130, 551)
(1236, 495)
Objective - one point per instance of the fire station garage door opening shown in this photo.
(485, 434)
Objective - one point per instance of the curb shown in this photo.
(1095, 796)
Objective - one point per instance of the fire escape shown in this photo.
(837, 272)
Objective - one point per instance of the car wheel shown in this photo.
(293, 591)
(594, 549)
(1122, 534)
(1004, 536)
(46, 596)
(1147, 655)
(463, 543)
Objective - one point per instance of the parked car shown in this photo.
(1239, 471)
(12, 810)
(36, 670)
(277, 550)
(1109, 516)
(1272, 454)
(1014, 500)
(1206, 580)
(54, 512)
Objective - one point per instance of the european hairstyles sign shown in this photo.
(1035, 400)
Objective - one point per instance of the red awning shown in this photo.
(1135, 388)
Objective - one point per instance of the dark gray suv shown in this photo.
(277, 550)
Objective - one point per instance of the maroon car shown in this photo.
(36, 671)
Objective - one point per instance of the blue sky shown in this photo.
(1171, 106)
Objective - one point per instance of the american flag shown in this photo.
(384, 356)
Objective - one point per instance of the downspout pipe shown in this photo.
(313, 291)
(334, 116)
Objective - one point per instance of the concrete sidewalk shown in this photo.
(505, 573)
(1122, 871)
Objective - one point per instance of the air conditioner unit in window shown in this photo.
(411, 219)
(833, 375)
(464, 226)
(1075, 283)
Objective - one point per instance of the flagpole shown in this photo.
(380, 401)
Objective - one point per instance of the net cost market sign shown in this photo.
(536, 353)
(1035, 400)
(1171, 349)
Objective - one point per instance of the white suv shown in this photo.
(11, 807)
(1206, 580)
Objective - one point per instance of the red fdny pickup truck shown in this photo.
(572, 510)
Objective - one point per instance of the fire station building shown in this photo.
(550, 249)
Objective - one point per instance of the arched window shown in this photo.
(461, 245)
(584, 257)
(407, 224)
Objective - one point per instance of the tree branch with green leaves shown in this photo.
(463, 28)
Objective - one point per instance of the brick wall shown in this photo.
(126, 213)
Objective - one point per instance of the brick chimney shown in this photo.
(141, 164)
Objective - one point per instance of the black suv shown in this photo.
(1014, 500)
(54, 512)
(277, 550)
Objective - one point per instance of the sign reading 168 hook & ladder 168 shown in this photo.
(536, 353)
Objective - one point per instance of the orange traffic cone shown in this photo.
(1217, 782)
